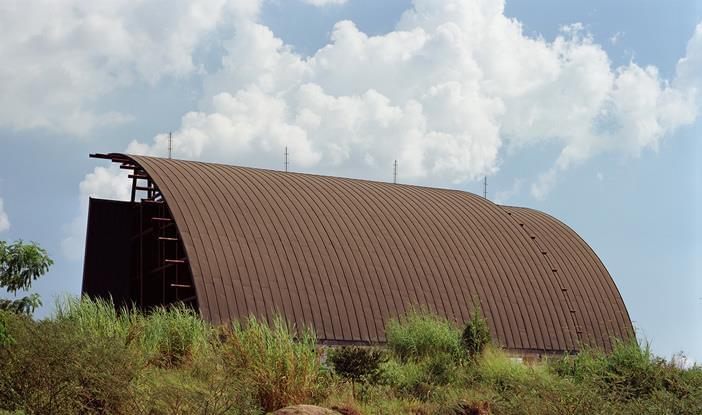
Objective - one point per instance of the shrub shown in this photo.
(357, 364)
(633, 377)
(476, 334)
(629, 371)
(532, 388)
(51, 368)
(500, 372)
(421, 379)
(281, 364)
(422, 334)
(408, 379)
(632, 370)
(203, 387)
(5, 338)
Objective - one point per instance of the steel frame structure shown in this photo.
(159, 269)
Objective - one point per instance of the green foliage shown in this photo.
(20, 265)
(166, 336)
(421, 379)
(476, 335)
(52, 368)
(422, 334)
(93, 359)
(202, 387)
(5, 338)
(632, 375)
(282, 364)
(358, 364)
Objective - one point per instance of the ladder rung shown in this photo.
(181, 286)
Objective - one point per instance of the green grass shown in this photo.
(91, 359)
(420, 334)
(281, 362)
(162, 337)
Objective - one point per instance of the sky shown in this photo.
(590, 111)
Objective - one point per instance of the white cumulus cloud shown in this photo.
(106, 183)
(443, 93)
(4, 219)
(322, 3)
(454, 84)
(638, 110)
(58, 58)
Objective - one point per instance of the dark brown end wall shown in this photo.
(107, 249)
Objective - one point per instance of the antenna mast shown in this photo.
(286, 159)
(170, 144)
(485, 187)
(394, 173)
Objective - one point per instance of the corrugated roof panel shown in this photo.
(344, 255)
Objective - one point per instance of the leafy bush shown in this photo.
(282, 365)
(519, 387)
(52, 368)
(422, 334)
(357, 364)
(421, 379)
(408, 379)
(631, 374)
(203, 387)
(476, 334)
(632, 370)
(501, 372)
(5, 338)
(628, 371)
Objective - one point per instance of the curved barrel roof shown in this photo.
(345, 255)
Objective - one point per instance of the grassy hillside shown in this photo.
(90, 359)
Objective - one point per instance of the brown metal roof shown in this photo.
(345, 255)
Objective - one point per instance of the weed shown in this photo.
(52, 368)
(421, 334)
(93, 359)
(165, 336)
(282, 364)
(476, 335)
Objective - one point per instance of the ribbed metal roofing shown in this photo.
(345, 255)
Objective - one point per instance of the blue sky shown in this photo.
(582, 109)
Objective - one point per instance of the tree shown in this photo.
(20, 265)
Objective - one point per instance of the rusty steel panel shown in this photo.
(345, 255)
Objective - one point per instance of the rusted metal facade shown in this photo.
(345, 255)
